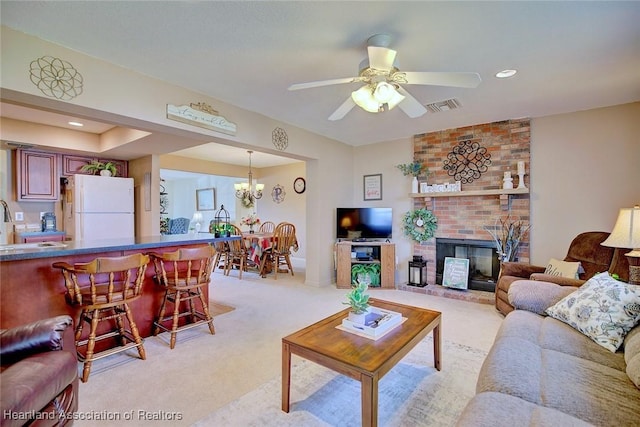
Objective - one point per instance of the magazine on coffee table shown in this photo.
(377, 322)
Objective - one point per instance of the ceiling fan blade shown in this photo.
(381, 58)
(469, 80)
(342, 110)
(322, 83)
(410, 105)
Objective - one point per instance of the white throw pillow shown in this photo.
(604, 309)
(555, 267)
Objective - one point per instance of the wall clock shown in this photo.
(299, 185)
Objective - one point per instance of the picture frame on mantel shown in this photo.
(372, 187)
(206, 199)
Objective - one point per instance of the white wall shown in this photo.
(111, 92)
(585, 167)
(382, 159)
(293, 208)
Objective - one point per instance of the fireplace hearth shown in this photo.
(484, 265)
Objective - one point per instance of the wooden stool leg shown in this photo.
(122, 337)
(205, 310)
(91, 343)
(135, 332)
(174, 323)
(155, 328)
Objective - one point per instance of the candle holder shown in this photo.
(521, 174)
(521, 180)
(507, 182)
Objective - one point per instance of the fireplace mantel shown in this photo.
(505, 195)
(496, 192)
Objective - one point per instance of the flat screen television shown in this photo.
(364, 223)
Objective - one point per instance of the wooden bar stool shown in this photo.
(103, 289)
(183, 273)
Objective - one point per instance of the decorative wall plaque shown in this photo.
(56, 78)
(278, 193)
(467, 161)
(201, 115)
(280, 139)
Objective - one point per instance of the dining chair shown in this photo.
(238, 254)
(183, 273)
(284, 238)
(267, 227)
(103, 289)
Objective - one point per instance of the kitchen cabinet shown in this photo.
(37, 237)
(37, 176)
(72, 164)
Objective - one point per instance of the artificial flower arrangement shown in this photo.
(414, 168)
(507, 236)
(250, 220)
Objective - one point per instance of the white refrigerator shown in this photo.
(97, 207)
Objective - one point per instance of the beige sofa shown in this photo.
(542, 372)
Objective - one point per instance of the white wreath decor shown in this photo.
(419, 225)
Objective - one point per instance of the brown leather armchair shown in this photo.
(39, 379)
(585, 248)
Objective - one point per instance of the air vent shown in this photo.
(449, 104)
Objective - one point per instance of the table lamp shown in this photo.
(626, 234)
(197, 219)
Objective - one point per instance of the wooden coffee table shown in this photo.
(357, 357)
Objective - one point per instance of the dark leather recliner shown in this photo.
(585, 248)
(39, 376)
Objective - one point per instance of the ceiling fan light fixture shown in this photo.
(384, 92)
(364, 99)
(396, 99)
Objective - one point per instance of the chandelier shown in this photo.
(373, 97)
(244, 190)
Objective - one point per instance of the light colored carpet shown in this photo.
(413, 393)
(205, 372)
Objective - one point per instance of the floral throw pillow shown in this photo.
(604, 309)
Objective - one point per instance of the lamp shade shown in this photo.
(626, 232)
(363, 97)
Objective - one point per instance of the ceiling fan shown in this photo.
(382, 80)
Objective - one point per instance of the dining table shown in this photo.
(258, 245)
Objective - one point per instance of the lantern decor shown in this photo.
(417, 272)
(220, 225)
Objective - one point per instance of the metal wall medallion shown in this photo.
(467, 161)
(280, 139)
(278, 193)
(56, 78)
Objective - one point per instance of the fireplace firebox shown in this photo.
(484, 265)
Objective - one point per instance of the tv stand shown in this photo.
(382, 253)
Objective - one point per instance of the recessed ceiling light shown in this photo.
(76, 124)
(505, 74)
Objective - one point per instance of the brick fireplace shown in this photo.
(465, 217)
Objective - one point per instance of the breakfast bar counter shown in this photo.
(31, 289)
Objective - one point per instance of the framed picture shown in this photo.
(372, 186)
(206, 199)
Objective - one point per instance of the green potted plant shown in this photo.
(97, 167)
(358, 299)
(414, 169)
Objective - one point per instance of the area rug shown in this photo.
(152, 345)
(413, 393)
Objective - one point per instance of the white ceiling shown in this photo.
(570, 56)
